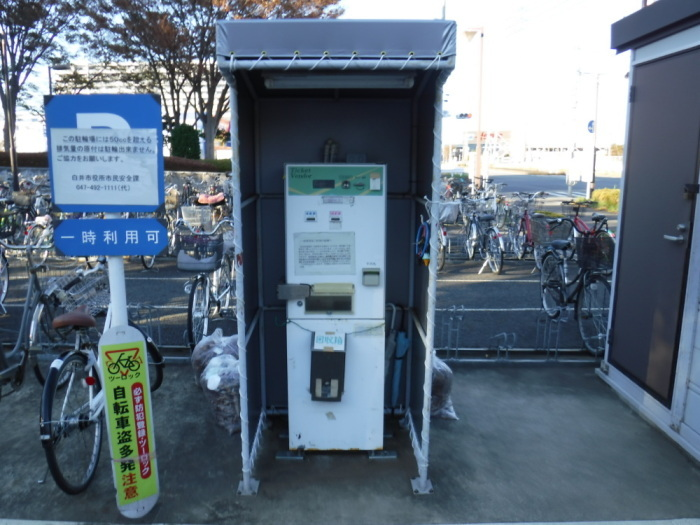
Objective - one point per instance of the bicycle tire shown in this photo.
(227, 281)
(494, 251)
(441, 257)
(4, 278)
(70, 435)
(34, 239)
(539, 252)
(551, 286)
(198, 311)
(471, 240)
(520, 241)
(148, 261)
(156, 363)
(592, 308)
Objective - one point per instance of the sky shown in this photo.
(546, 63)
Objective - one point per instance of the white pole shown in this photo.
(248, 486)
(117, 286)
(422, 484)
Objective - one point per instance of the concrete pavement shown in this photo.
(545, 443)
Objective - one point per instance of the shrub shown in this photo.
(607, 198)
(185, 142)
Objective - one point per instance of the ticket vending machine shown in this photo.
(335, 292)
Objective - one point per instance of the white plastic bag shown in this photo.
(220, 382)
(441, 395)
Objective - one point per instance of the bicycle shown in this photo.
(600, 222)
(481, 236)
(88, 287)
(212, 289)
(73, 402)
(587, 289)
(521, 226)
(13, 363)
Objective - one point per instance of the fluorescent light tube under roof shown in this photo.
(338, 81)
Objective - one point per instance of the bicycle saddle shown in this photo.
(561, 244)
(78, 318)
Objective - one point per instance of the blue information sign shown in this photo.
(105, 152)
(83, 237)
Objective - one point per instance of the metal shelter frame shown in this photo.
(331, 58)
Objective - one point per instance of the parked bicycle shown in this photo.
(212, 289)
(572, 209)
(73, 403)
(481, 235)
(520, 226)
(13, 363)
(582, 284)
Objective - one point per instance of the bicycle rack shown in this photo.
(548, 332)
(144, 317)
(451, 327)
(503, 342)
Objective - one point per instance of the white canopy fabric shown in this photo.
(305, 44)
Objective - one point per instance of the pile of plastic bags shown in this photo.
(215, 364)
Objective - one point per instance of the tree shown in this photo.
(185, 142)
(30, 34)
(176, 41)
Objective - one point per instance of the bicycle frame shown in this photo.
(14, 363)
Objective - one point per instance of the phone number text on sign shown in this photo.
(95, 165)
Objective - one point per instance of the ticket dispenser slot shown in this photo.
(330, 298)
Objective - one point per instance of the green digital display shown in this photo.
(334, 179)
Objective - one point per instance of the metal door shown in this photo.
(656, 225)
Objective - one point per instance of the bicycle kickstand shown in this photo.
(486, 261)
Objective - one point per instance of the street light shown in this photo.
(470, 34)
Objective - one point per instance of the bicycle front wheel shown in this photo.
(520, 241)
(227, 284)
(552, 286)
(592, 309)
(148, 261)
(494, 252)
(472, 238)
(4, 278)
(441, 257)
(71, 432)
(39, 239)
(198, 311)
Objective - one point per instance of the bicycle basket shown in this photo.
(91, 291)
(200, 253)
(197, 216)
(545, 233)
(10, 221)
(595, 253)
(570, 209)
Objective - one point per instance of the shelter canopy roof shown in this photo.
(306, 44)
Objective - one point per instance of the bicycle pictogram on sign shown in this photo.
(123, 362)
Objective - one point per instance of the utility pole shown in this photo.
(478, 178)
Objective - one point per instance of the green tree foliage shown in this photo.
(175, 40)
(185, 142)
